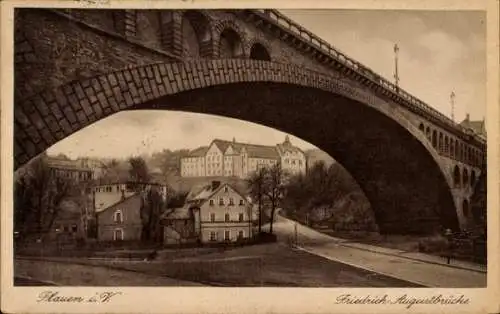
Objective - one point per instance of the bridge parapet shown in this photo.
(315, 41)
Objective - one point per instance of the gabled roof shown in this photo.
(253, 150)
(121, 202)
(198, 152)
(208, 192)
(478, 126)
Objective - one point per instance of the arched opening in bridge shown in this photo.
(446, 145)
(434, 139)
(385, 155)
(452, 148)
(230, 44)
(440, 141)
(428, 133)
(195, 33)
(456, 176)
(259, 52)
(421, 127)
(465, 208)
(457, 150)
(465, 175)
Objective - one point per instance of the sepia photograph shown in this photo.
(241, 147)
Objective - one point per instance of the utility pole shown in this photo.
(452, 100)
(396, 75)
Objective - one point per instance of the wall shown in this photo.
(131, 224)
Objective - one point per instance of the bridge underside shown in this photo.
(403, 182)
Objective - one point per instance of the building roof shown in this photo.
(66, 164)
(478, 126)
(126, 182)
(121, 202)
(210, 190)
(253, 150)
(198, 152)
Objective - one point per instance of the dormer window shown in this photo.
(221, 201)
(241, 203)
(211, 202)
(226, 189)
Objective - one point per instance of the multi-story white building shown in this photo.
(234, 159)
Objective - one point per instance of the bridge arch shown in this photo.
(456, 176)
(259, 52)
(229, 39)
(386, 159)
(196, 34)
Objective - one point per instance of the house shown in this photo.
(216, 213)
(121, 221)
(235, 159)
(178, 226)
(117, 208)
(476, 126)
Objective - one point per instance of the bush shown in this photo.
(434, 244)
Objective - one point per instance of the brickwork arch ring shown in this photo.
(228, 24)
(264, 43)
(44, 119)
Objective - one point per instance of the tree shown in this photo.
(274, 189)
(38, 193)
(151, 208)
(256, 183)
(138, 170)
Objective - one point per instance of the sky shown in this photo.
(439, 52)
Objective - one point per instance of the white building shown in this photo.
(231, 158)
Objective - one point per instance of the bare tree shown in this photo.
(257, 184)
(151, 208)
(38, 194)
(139, 169)
(274, 189)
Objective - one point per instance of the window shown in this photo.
(240, 217)
(231, 201)
(226, 217)
(211, 202)
(74, 228)
(213, 236)
(227, 235)
(241, 234)
(241, 203)
(225, 189)
(118, 216)
(212, 217)
(221, 201)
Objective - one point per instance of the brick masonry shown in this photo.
(72, 70)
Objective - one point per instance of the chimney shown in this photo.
(234, 140)
(467, 117)
(215, 185)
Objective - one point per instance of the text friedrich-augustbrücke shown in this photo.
(404, 299)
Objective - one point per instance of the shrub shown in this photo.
(433, 244)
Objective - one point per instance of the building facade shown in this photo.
(217, 213)
(80, 170)
(234, 159)
(121, 221)
(117, 209)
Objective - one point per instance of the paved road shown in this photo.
(418, 272)
(23, 281)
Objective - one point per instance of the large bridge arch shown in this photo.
(392, 160)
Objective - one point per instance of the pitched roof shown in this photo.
(253, 150)
(198, 152)
(477, 126)
(208, 191)
(125, 200)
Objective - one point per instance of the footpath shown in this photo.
(419, 268)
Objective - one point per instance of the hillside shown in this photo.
(315, 155)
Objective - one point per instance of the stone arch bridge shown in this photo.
(74, 67)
